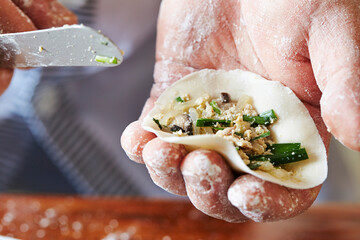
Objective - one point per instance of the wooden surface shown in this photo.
(49, 217)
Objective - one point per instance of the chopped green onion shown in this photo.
(105, 43)
(261, 136)
(206, 122)
(157, 123)
(179, 99)
(283, 158)
(253, 165)
(252, 120)
(283, 147)
(215, 107)
(264, 118)
(269, 114)
(104, 59)
(237, 148)
(218, 128)
(239, 134)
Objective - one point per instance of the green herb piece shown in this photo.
(282, 158)
(104, 59)
(269, 114)
(237, 148)
(283, 147)
(264, 118)
(215, 107)
(179, 99)
(239, 134)
(218, 128)
(254, 165)
(261, 136)
(252, 120)
(206, 122)
(157, 123)
(105, 43)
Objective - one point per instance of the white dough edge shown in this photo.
(294, 122)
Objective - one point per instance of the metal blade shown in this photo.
(74, 45)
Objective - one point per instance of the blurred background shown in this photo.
(60, 128)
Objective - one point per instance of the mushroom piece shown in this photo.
(183, 123)
(225, 97)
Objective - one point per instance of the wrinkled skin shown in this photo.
(310, 46)
(26, 15)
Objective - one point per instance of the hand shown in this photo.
(23, 15)
(310, 46)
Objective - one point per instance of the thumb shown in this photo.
(334, 41)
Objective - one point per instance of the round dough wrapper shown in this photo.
(294, 123)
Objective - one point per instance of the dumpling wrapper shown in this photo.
(294, 122)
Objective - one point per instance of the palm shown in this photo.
(211, 36)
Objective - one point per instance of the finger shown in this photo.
(134, 139)
(207, 179)
(5, 78)
(334, 42)
(46, 13)
(264, 201)
(163, 160)
(321, 127)
(11, 20)
(282, 49)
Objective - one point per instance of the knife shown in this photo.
(74, 45)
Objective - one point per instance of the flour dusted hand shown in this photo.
(309, 46)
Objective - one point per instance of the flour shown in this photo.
(27, 3)
(121, 235)
(204, 165)
(196, 25)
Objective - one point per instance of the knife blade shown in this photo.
(74, 45)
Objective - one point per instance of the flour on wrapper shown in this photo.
(294, 122)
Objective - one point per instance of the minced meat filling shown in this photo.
(235, 121)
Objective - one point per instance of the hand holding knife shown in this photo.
(74, 45)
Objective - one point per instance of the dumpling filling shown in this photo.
(237, 122)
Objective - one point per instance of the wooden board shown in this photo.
(61, 217)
